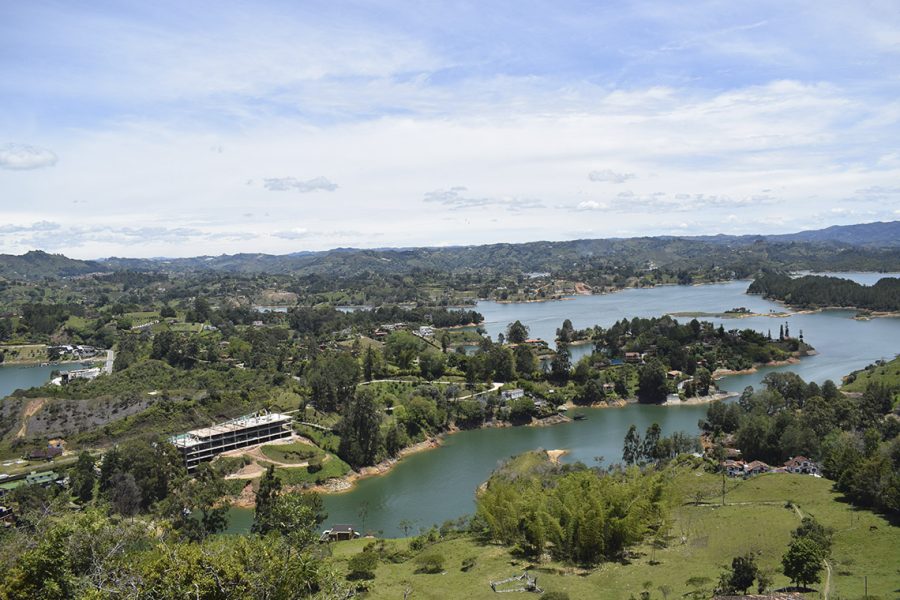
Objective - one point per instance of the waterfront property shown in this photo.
(512, 394)
(88, 374)
(796, 465)
(339, 533)
(801, 464)
(206, 443)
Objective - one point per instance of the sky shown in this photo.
(162, 128)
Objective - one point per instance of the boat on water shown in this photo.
(579, 416)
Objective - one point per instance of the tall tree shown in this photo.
(266, 494)
(83, 477)
(650, 450)
(360, 430)
(332, 378)
(516, 332)
(561, 363)
(631, 451)
(125, 495)
(526, 363)
(566, 333)
(652, 386)
(802, 563)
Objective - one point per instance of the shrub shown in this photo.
(362, 565)
(431, 562)
(314, 466)
(468, 563)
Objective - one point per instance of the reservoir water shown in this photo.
(15, 377)
(434, 486)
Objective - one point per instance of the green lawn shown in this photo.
(333, 467)
(295, 453)
(756, 518)
(26, 353)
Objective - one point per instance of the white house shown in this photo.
(801, 464)
(512, 394)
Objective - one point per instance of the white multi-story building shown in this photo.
(205, 444)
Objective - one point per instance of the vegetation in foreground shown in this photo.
(758, 519)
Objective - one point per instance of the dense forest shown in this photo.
(813, 291)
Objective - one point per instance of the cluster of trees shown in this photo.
(655, 447)
(56, 553)
(574, 513)
(855, 438)
(802, 562)
(44, 319)
(323, 320)
(818, 290)
(687, 347)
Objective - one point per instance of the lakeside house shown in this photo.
(734, 468)
(633, 357)
(512, 394)
(339, 533)
(78, 351)
(756, 467)
(801, 464)
(796, 465)
(88, 374)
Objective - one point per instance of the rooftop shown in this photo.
(194, 437)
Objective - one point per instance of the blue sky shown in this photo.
(187, 128)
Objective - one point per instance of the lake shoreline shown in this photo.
(605, 292)
(346, 483)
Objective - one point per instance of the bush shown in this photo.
(468, 563)
(432, 562)
(362, 565)
(314, 466)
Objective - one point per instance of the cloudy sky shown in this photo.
(186, 128)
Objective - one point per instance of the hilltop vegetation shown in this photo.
(36, 265)
(883, 373)
(816, 291)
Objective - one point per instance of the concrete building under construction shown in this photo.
(205, 444)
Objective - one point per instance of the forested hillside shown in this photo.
(820, 291)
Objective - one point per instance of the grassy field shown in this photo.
(888, 373)
(295, 453)
(24, 353)
(703, 539)
(333, 467)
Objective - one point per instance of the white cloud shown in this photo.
(455, 198)
(22, 157)
(34, 227)
(298, 233)
(610, 176)
(590, 205)
(284, 184)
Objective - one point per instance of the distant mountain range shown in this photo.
(867, 235)
(868, 246)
